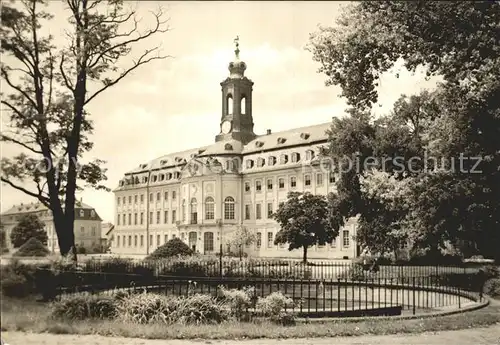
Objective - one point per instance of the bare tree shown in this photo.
(47, 89)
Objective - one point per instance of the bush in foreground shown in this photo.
(83, 307)
(32, 247)
(18, 280)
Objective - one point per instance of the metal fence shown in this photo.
(320, 289)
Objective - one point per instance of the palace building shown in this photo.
(205, 194)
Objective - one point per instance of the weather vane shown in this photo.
(237, 43)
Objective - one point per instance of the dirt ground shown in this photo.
(478, 336)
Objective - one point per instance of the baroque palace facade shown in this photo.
(205, 194)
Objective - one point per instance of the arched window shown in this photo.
(229, 104)
(208, 242)
(243, 104)
(184, 210)
(209, 208)
(229, 208)
(194, 213)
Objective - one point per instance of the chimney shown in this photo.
(268, 131)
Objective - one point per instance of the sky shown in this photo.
(175, 104)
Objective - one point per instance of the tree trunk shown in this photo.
(304, 258)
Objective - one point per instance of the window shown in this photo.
(309, 154)
(174, 195)
(307, 180)
(332, 177)
(82, 229)
(142, 218)
(165, 239)
(295, 157)
(229, 208)
(259, 240)
(209, 208)
(293, 182)
(270, 184)
(174, 216)
(150, 240)
(150, 217)
(142, 240)
(258, 211)
(157, 217)
(249, 163)
(130, 199)
(165, 217)
(194, 211)
(82, 213)
(158, 240)
(258, 185)
(247, 186)
(184, 210)
(118, 219)
(158, 196)
(130, 240)
(166, 196)
(117, 241)
(283, 159)
(130, 219)
(208, 241)
(247, 211)
(135, 241)
(319, 179)
(345, 238)
(135, 218)
(124, 219)
(124, 200)
(281, 183)
(135, 199)
(261, 162)
(271, 161)
(150, 197)
(269, 209)
(270, 242)
(142, 198)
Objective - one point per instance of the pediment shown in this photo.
(198, 167)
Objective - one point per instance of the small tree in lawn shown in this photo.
(241, 237)
(30, 226)
(305, 221)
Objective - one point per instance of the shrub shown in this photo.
(18, 280)
(181, 268)
(32, 247)
(239, 300)
(274, 307)
(174, 247)
(145, 307)
(81, 250)
(111, 265)
(84, 307)
(492, 288)
(199, 309)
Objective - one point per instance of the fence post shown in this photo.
(220, 260)
(414, 307)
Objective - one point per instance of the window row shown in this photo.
(283, 159)
(292, 181)
(92, 233)
(258, 210)
(270, 240)
(140, 198)
(154, 178)
(138, 240)
(139, 218)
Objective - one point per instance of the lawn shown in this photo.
(31, 316)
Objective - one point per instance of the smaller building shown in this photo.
(87, 224)
(106, 235)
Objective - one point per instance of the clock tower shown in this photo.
(236, 121)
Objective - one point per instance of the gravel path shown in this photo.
(478, 336)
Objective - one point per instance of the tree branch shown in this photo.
(124, 74)
(63, 74)
(42, 199)
(17, 88)
(15, 141)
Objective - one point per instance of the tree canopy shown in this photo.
(305, 220)
(29, 226)
(445, 140)
(47, 88)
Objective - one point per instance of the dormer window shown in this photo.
(261, 162)
(163, 161)
(154, 178)
(136, 180)
(162, 177)
(144, 179)
(304, 136)
(295, 157)
(281, 140)
(249, 164)
(259, 144)
(228, 147)
(168, 176)
(82, 213)
(309, 155)
(178, 159)
(177, 174)
(271, 161)
(283, 159)
(200, 151)
(143, 166)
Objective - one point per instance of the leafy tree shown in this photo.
(3, 240)
(29, 226)
(305, 220)
(174, 247)
(32, 247)
(458, 41)
(241, 237)
(48, 87)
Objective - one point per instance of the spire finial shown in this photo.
(237, 50)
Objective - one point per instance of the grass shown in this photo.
(31, 316)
